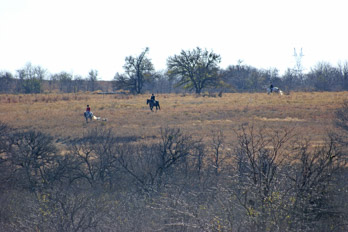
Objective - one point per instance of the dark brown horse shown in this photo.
(152, 104)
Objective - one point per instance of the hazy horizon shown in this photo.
(78, 36)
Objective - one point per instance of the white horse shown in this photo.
(88, 115)
(274, 90)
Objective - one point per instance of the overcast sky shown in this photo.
(79, 35)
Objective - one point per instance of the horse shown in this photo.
(152, 104)
(88, 115)
(275, 90)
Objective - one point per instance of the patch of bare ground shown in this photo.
(287, 119)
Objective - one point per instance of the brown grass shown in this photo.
(62, 114)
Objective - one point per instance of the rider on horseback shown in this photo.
(88, 111)
(271, 88)
(153, 99)
(153, 103)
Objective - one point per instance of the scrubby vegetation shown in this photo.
(266, 180)
(239, 162)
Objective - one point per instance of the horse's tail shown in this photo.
(159, 107)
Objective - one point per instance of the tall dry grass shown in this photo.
(62, 114)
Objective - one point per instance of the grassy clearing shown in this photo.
(62, 114)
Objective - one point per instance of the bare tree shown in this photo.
(154, 166)
(196, 69)
(7, 82)
(92, 80)
(65, 82)
(30, 78)
(259, 155)
(341, 114)
(137, 71)
(312, 182)
(34, 155)
(218, 156)
(95, 160)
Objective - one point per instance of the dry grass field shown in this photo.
(142, 178)
(61, 115)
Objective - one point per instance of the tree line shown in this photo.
(195, 70)
(35, 79)
(264, 180)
